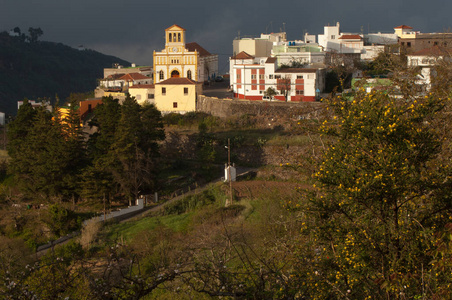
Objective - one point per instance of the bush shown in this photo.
(61, 220)
(191, 203)
(89, 233)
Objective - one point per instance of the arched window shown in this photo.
(189, 74)
(175, 73)
(174, 37)
(178, 37)
(170, 37)
(161, 75)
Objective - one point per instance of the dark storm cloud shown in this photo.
(132, 30)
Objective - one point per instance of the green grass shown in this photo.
(128, 230)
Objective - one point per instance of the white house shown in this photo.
(426, 60)
(298, 52)
(251, 77)
(122, 81)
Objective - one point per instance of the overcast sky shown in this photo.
(133, 29)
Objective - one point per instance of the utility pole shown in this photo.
(229, 172)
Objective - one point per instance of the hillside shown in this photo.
(45, 69)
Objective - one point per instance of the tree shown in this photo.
(19, 128)
(74, 148)
(284, 86)
(381, 198)
(136, 148)
(270, 92)
(17, 30)
(98, 182)
(35, 33)
(125, 147)
(46, 151)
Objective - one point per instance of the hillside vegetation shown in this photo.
(353, 202)
(45, 69)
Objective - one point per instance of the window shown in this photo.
(253, 76)
(174, 104)
(161, 75)
(189, 74)
(163, 91)
(169, 37)
(270, 76)
(238, 76)
(300, 92)
(261, 76)
(408, 44)
(178, 37)
(299, 76)
(333, 37)
(150, 96)
(185, 91)
(277, 76)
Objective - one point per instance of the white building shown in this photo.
(367, 46)
(118, 69)
(426, 60)
(251, 77)
(124, 81)
(258, 47)
(298, 52)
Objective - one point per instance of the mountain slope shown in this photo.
(45, 69)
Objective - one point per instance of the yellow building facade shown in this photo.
(175, 60)
(181, 59)
(177, 95)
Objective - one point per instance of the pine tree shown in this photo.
(97, 180)
(135, 148)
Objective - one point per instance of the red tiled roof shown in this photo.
(178, 80)
(403, 27)
(433, 51)
(350, 37)
(243, 55)
(195, 46)
(271, 60)
(114, 76)
(142, 86)
(133, 76)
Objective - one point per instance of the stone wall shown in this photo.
(227, 107)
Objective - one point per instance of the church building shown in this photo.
(181, 59)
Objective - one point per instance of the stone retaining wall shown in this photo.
(232, 107)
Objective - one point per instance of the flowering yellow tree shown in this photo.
(381, 199)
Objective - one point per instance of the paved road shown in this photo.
(241, 171)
